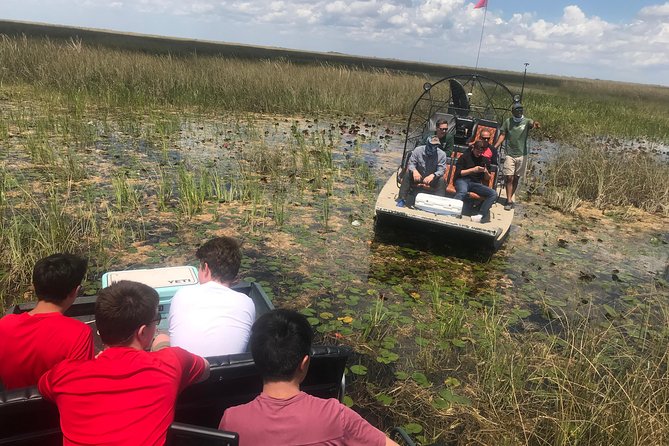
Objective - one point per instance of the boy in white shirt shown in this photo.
(211, 319)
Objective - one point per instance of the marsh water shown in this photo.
(551, 263)
(325, 246)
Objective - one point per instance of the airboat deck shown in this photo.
(496, 230)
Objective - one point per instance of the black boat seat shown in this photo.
(28, 419)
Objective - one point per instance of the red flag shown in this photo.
(481, 4)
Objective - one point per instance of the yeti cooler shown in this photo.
(438, 205)
(165, 280)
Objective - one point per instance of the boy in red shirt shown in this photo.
(33, 342)
(282, 415)
(126, 395)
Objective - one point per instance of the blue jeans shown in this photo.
(464, 185)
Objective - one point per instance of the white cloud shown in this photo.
(412, 29)
(655, 12)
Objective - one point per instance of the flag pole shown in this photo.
(485, 12)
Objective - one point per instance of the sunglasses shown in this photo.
(156, 320)
(442, 129)
(485, 137)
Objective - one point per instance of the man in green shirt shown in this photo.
(515, 131)
(446, 139)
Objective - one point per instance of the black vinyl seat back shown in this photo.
(27, 419)
(235, 380)
(463, 131)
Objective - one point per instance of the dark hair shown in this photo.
(122, 308)
(223, 256)
(440, 121)
(279, 341)
(479, 145)
(56, 276)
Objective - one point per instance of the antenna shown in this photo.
(522, 89)
(481, 4)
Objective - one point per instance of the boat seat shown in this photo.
(28, 419)
(463, 130)
(450, 175)
(480, 126)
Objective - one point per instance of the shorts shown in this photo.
(514, 166)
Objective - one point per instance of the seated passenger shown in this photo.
(210, 319)
(446, 139)
(489, 150)
(126, 395)
(33, 342)
(424, 173)
(470, 171)
(282, 414)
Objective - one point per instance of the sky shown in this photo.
(625, 40)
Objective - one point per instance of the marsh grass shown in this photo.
(48, 225)
(125, 194)
(607, 179)
(595, 381)
(122, 78)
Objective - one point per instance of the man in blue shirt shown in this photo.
(424, 173)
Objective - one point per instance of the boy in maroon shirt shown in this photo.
(33, 342)
(282, 415)
(126, 395)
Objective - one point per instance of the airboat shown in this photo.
(28, 419)
(470, 104)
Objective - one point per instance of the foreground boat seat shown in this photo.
(234, 380)
(28, 419)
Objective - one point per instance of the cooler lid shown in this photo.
(173, 276)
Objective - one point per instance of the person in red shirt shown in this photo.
(282, 415)
(33, 342)
(126, 395)
(489, 150)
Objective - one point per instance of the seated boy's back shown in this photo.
(33, 342)
(300, 420)
(282, 415)
(30, 344)
(126, 395)
(211, 319)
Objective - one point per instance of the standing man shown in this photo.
(33, 342)
(210, 319)
(470, 172)
(446, 139)
(515, 130)
(126, 395)
(425, 173)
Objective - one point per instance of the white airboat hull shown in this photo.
(496, 229)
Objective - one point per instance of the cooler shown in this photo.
(438, 205)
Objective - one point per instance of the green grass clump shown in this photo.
(607, 179)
